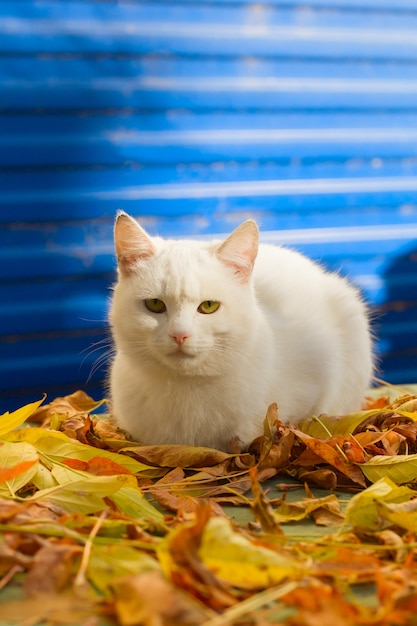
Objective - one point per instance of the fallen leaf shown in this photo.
(10, 421)
(151, 600)
(223, 550)
(325, 510)
(362, 510)
(98, 465)
(403, 514)
(261, 507)
(54, 609)
(12, 457)
(333, 456)
(325, 426)
(178, 456)
(6, 474)
(50, 569)
(399, 468)
(110, 563)
(349, 565)
(77, 403)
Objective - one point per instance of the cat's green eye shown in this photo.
(208, 306)
(155, 305)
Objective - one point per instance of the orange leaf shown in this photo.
(8, 473)
(98, 465)
(376, 403)
(333, 456)
(75, 464)
(101, 466)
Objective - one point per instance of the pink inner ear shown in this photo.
(239, 250)
(132, 243)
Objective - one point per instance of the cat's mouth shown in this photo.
(181, 354)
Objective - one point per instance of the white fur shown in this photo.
(288, 332)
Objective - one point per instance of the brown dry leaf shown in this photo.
(406, 402)
(10, 557)
(325, 450)
(55, 610)
(348, 564)
(266, 441)
(50, 569)
(72, 405)
(320, 604)
(179, 456)
(279, 454)
(19, 512)
(392, 442)
(180, 560)
(323, 478)
(150, 600)
(262, 509)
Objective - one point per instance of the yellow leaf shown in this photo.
(10, 421)
(400, 468)
(234, 558)
(403, 515)
(107, 563)
(85, 495)
(330, 425)
(212, 545)
(296, 511)
(131, 501)
(362, 510)
(55, 446)
(11, 455)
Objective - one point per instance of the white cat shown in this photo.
(207, 335)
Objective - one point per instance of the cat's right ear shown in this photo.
(132, 243)
(240, 249)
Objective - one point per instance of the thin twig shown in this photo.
(9, 575)
(251, 604)
(324, 427)
(384, 383)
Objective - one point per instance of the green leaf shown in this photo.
(362, 510)
(10, 421)
(11, 455)
(399, 468)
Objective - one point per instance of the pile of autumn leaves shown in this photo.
(96, 528)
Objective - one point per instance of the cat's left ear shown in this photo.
(132, 243)
(239, 250)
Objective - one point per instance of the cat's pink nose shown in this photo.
(179, 338)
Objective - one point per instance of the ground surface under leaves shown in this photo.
(313, 525)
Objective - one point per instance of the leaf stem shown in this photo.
(80, 578)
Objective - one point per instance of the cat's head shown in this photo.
(184, 305)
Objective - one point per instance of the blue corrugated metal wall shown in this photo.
(194, 115)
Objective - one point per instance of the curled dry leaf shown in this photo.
(75, 404)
